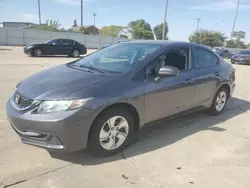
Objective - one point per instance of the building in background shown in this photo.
(17, 24)
(91, 29)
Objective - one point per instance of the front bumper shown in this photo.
(65, 131)
(27, 50)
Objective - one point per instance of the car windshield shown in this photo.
(118, 58)
(48, 41)
(245, 52)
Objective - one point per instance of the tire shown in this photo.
(219, 102)
(75, 53)
(37, 52)
(103, 141)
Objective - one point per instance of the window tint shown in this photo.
(177, 58)
(204, 58)
(59, 42)
(67, 42)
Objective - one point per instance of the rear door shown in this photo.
(207, 75)
(67, 47)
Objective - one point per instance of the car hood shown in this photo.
(56, 83)
(32, 45)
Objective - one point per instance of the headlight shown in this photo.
(28, 47)
(58, 106)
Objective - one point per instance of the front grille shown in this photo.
(22, 101)
(42, 139)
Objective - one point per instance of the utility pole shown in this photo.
(198, 23)
(236, 15)
(94, 14)
(164, 23)
(39, 12)
(81, 12)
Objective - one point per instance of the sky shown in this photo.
(181, 17)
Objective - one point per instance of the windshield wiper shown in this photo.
(91, 68)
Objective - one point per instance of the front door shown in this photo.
(169, 95)
(59, 47)
(50, 48)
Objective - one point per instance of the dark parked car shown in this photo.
(223, 52)
(56, 47)
(100, 101)
(242, 57)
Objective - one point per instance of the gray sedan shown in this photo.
(101, 101)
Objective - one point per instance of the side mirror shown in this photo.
(168, 71)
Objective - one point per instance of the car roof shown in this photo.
(168, 43)
(63, 39)
(156, 42)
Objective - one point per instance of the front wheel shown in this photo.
(219, 102)
(110, 132)
(37, 52)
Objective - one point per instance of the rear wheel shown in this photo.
(37, 52)
(110, 132)
(75, 53)
(219, 101)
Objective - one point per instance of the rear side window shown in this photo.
(67, 42)
(204, 58)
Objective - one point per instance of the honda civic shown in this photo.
(100, 101)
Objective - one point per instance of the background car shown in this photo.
(242, 57)
(223, 52)
(99, 102)
(56, 47)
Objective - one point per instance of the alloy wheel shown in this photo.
(38, 52)
(76, 53)
(221, 101)
(113, 133)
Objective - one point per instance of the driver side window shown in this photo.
(53, 42)
(178, 58)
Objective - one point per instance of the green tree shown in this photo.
(208, 38)
(111, 30)
(230, 44)
(236, 44)
(83, 30)
(49, 25)
(158, 31)
(140, 29)
(53, 24)
(123, 36)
